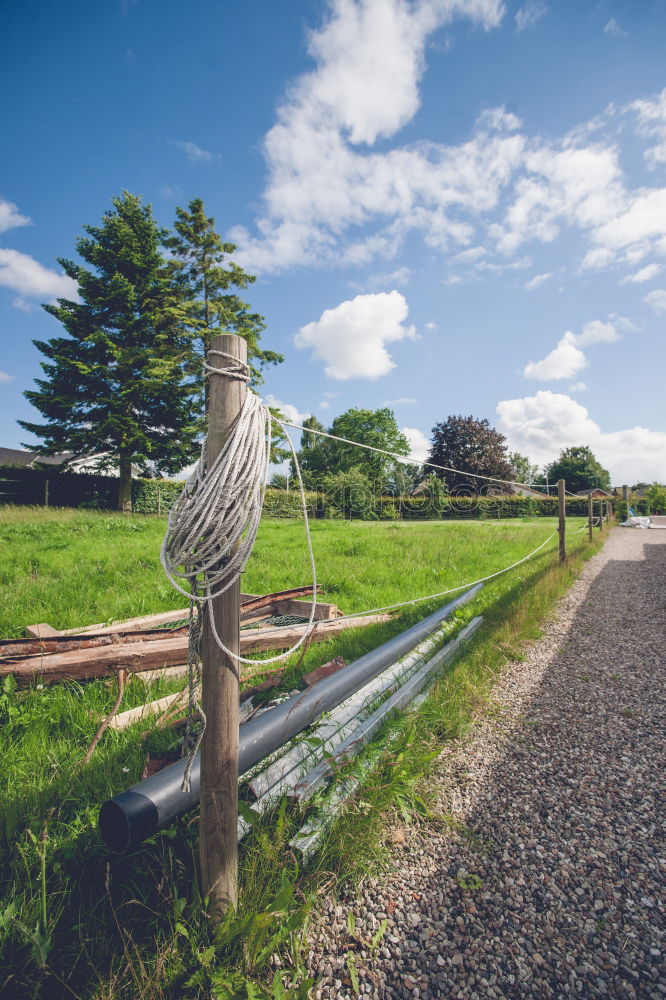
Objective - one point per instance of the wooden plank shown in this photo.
(86, 664)
(40, 631)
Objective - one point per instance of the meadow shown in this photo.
(76, 921)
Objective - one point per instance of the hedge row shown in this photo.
(152, 496)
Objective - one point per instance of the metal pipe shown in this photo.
(308, 838)
(341, 721)
(354, 743)
(128, 818)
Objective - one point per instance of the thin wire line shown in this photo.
(401, 458)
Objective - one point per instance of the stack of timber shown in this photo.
(142, 644)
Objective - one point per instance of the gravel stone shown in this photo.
(557, 794)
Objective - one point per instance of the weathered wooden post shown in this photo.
(561, 503)
(589, 516)
(218, 823)
(46, 491)
(601, 516)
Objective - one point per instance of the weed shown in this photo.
(471, 882)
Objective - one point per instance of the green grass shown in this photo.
(132, 927)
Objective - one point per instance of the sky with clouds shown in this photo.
(451, 206)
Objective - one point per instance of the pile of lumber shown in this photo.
(142, 644)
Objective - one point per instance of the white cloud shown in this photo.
(288, 410)
(612, 27)
(596, 332)
(419, 445)
(324, 405)
(528, 15)
(543, 424)
(4, 377)
(390, 279)
(27, 276)
(351, 338)
(577, 387)
(563, 361)
(537, 280)
(431, 326)
(566, 359)
(657, 300)
(400, 401)
(196, 155)
(323, 176)
(652, 124)
(10, 217)
(645, 274)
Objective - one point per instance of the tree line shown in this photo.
(475, 456)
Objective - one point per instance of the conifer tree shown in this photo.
(201, 258)
(115, 387)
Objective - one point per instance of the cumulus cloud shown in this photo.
(10, 217)
(528, 15)
(645, 274)
(656, 300)
(566, 359)
(351, 338)
(288, 410)
(324, 405)
(577, 387)
(563, 361)
(324, 176)
(537, 280)
(28, 277)
(4, 377)
(596, 332)
(419, 445)
(543, 424)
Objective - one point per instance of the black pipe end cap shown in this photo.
(126, 820)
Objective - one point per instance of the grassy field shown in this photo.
(75, 921)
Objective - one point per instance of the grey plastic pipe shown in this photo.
(128, 818)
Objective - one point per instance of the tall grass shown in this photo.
(74, 921)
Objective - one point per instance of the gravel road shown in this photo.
(549, 882)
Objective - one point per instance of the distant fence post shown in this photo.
(159, 500)
(601, 515)
(561, 503)
(46, 491)
(589, 516)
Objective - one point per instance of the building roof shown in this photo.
(27, 459)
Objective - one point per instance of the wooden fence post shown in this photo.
(561, 503)
(589, 516)
(601, 515)
(218, 823)
(46, 492)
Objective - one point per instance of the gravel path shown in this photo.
(549, 881)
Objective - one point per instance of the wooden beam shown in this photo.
(87, 664)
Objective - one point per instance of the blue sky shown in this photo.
(452, 206)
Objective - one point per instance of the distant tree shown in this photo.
(116, 386)
(523, 470)
(472, 446)
(201, 261)
(656, 497)
(580, 470)
(377, 428)
(279, 481)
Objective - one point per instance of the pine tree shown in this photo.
(201, 259)
(116, 387)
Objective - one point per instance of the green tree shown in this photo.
(656, 497)
(377, 428)
(115, 386)
(523, 470)
(471, 446)
(201, 260)
(580, 470)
